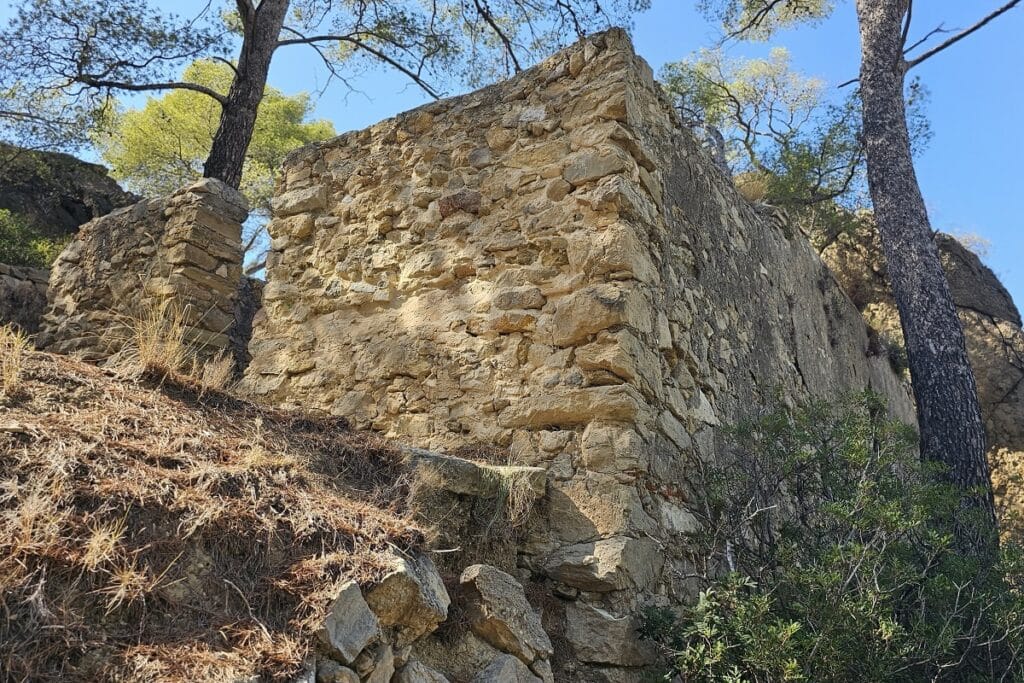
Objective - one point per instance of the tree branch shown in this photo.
(310, 40)
(140, 87)
(484, 11)
(963, 34)
(906, 22)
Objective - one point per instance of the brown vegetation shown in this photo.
(153, 529)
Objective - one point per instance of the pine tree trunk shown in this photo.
(949, 415)
(238, 115)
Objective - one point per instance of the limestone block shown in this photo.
(506, 669)
(411, 598)
(299, 201)
(350, 625)
(499, 613)
(464, 200)
(596, 308)
(615, 250)
(418, 672)
(609, 564)
(620, 403)
(599, 636)
(592, 164)
(518, 297)
(611, 448)
(329, 671)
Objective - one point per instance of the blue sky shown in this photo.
(970, 174)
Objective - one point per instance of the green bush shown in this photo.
(22, 245)
(833, 548)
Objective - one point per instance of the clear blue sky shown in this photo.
(970, 174)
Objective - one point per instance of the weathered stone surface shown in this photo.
(589, 295)
(350, 625)
(418, 672)
(411, 598)
(506, 669)
(500, 614)
(329, 671)
(298, 201)
(469, 478)
(382, 665)
(22, 296)
(54, 192)
(609, 564)
(995, 343)
(600, 637)
(182, 251)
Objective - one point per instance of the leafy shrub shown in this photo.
(23, 245)
(833, 551)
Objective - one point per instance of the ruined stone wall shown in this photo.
(184, 250)
(22, 296)
(553, 267)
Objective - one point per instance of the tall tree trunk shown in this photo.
(238, 115)
(949, 415)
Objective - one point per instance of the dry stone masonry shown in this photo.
(552, 266)
(183, 250)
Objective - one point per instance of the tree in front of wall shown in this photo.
(949, 415)
(83, 50)
(161, 146)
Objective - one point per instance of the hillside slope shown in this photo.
(153, 532)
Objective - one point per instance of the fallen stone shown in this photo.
(600, 637)
(330, 671)
(506, 669)
(411, 598)
(607, 565)
(350, 625)
(418, 672)
(499, 613)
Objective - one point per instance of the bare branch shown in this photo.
(353, 40)
(963, 34)
(140, 87)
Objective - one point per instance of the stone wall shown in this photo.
(995, 344)
(184, 250)
(552, 267)
(22, 296)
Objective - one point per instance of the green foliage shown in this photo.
(162, 146)
(759, 19)
(784, 129)
(21, 245)
(833, 547)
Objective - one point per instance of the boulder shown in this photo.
(600, 637)
(411, 598)
(329, 671)
(500, 614)
(418, 672)
(609, 564)
(506, 669)
(350, 625)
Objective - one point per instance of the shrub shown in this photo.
(13, 348)
(23, 245)
(828, 553)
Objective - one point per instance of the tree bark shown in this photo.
(949, 416)
(262, 28)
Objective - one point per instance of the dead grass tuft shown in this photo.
(163, 531)
(14, 345)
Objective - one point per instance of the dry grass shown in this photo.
(14, 345)
(154, 530)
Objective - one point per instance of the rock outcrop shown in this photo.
(56, 193)
(995, 344)
(553, 267)
(22, 296)
(182, 251)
